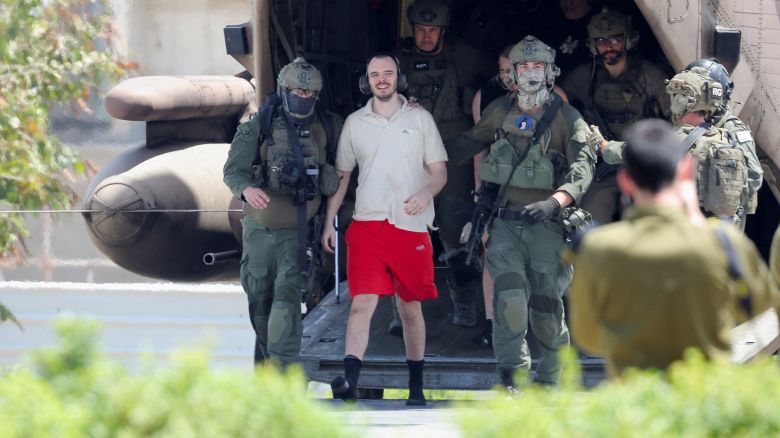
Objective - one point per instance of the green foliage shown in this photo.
(73, 392)
(6, 315)
(695, 398)
(51, 51)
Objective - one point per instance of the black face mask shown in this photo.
(301, 109)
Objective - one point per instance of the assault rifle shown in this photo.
(481, 217)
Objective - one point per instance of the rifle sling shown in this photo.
(695, 135)
(300, 189)
(541, 128)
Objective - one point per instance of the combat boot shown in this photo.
(507, 377)
(485, 337)
(464, 312)
(396, 327)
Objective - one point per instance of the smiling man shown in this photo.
(402, 167)
(619, 90)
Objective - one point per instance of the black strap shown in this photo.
(735, 271)
(548, 117)
(265, 116)
(694, 135)
(299, 196)
(330, 135)
(541, 127)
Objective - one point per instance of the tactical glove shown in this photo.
(594, 139)
(540, 211)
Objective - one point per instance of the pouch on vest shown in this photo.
(535, 172)
(721, 175)
(329, 180)
(282, 174)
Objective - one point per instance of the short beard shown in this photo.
(385, 98)
(615, 60)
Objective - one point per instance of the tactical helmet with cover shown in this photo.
(609, 23)
(529, 49)
(428, 13)
(302, 75)
(718, 72)
(694, 90)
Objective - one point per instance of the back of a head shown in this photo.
(652, 153)
(694, 90)
(717, 72)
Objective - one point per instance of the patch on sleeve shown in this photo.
(247, 130)
(744, 136)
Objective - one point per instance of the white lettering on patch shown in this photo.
(743, 136)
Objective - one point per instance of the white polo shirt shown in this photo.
(391, 156)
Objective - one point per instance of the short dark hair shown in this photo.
(652, 153)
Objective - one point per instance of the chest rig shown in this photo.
(433, 81)
(522, 155)
(623, 100)
(289, 161)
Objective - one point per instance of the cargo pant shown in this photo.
(525, 264)
(274, 286)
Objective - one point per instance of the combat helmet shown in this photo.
(694, 90)
(718, 72)
(531, 48)
(299, 74)
(608, 23)
(428, 13)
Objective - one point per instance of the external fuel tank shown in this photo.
(157, 209)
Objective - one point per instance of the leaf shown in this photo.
(6, 315)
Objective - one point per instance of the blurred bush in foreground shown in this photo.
(695, 398)
(72, 391)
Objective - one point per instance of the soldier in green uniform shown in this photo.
(722, 168)
(725, 119)
(663, 279)
(443, 76)
(542, 162)
(281, 172)
(613, 92)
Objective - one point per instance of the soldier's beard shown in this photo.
(612, 60)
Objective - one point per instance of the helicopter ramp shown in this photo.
(452, 360)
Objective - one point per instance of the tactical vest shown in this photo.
(433, 80)
(744, 139)
(721, 171)
(276, 171)
(543, 166)
(623, 100)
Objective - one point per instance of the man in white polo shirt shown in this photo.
(402, 167)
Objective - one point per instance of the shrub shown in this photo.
(72, 391)
(695, 398)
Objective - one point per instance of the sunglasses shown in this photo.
(611, 40)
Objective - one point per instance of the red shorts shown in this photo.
(382, 260)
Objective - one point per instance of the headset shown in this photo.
(363, 80)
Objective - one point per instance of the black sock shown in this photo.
(345, 388)
(352, 367)
(416, 396)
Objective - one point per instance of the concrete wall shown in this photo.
(179, 37)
